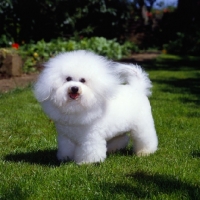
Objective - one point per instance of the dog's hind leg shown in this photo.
(145, 140)
(117, 143)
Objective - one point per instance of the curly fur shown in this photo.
(94, 102)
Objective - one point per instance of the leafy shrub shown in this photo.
(42, 51)
(184, 44)
(176, 45)
(33, 20)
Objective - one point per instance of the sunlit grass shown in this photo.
(29, 168)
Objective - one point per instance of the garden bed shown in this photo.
(7, 84)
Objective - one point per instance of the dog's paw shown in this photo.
(93, 153)
(144, 152)
(89, 161)
(92, 157)
(63, 158)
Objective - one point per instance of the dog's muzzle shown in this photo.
(74, 92)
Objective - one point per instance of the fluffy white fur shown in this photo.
(94, 102)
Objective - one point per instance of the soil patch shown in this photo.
(7, 84)
(142, 57)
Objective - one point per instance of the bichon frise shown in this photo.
(94, 102)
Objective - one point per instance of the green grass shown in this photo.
(29, 168)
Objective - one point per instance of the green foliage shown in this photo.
(42, 51)
(29, 168)
(184, 44)
(5, 40)
(35, 20)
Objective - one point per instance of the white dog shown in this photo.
(94, 102)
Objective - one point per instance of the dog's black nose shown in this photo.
(74, 89)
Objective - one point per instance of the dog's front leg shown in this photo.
(90, 151)
(65, 148)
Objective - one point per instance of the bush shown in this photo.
(34, 20)
(42, 51)
(184, 44)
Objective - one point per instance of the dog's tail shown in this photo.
(134, 76)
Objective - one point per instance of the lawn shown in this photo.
(29, 168)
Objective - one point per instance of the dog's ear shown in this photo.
(42, 88)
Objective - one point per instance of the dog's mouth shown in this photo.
(74, 92)
(74, 95)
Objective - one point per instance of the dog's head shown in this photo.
(75, 81)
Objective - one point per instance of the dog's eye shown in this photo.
(69, 78)
(82, 80)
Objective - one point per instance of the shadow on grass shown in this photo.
(16, 193)
(149, 186)
(183, 63)
(48, 157)
(40, 157)
(196, 154)
(183, 86)
(189, 85)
